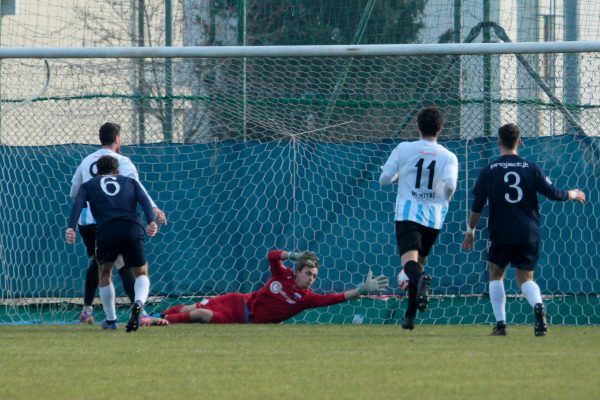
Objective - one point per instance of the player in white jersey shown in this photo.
(110, 140)
(426, 173)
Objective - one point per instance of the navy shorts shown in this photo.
(88, 235)
(126, 239)
(520, 255)
(413, 236)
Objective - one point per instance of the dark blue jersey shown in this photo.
(112, 198)
(510, 185)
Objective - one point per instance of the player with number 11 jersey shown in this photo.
(426, 173)
(425, 170)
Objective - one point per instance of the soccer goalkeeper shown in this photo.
(286, 294)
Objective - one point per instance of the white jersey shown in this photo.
(426, 170)
(87, 170)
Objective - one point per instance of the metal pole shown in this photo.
(0, 74)
(241, 41)
(456, 72)
(135, 108)
(141, 115)
(571, 60)
(457, 21)
(487, 72)
(168, 128)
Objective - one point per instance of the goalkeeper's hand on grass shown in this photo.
(371, 284)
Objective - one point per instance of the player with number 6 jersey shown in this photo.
(426, 173)
(110, 139)
(510, 186)
(113, 200)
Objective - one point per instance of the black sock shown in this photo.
(411, 309)
(413, 270)
(128, 282)
(91, 283)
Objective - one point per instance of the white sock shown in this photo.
(142, 288)
(498, 299)
(531, 290)
(107, 295)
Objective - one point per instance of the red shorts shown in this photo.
(227, 308)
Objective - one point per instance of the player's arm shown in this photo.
(451, 177)
(389, 171)
(545, 187)
(142, 198)
(370, 285)
(275, 257)
(470, 232)
(78, 204)
(126, 168)
(481, 194)
(76, 182)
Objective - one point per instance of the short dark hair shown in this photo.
(430, 121)
(107, 165)
(300, 267)
(509, 135)
(108, 133)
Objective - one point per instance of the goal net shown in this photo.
(248, 154)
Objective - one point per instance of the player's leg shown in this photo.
(497, 297)
(127, 278)
(142, 289)
(177, 309)
(498, 258)
(409, 241)
(131, 247)
(198, 312)
(88, 235)
(414, 270)
(428, 238)
(228, 308)
(525, 260)
(108, 241)
(107, 295)
(202, 315)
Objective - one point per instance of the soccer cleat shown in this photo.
(134, 320)
(408, 323)
(499, 330)
(111, 325)
(148, 320)
(423, 291)
(541, 326)
(86, 317)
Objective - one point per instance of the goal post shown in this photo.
(281, 147)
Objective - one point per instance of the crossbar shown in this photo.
(302, 51)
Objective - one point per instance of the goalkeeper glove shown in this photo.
(371, 284)
(306, 257)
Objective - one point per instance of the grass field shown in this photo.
(298, 362)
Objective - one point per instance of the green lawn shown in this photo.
(298, 362)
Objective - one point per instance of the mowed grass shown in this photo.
(298, 362)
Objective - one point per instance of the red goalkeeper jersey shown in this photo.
(281, 298)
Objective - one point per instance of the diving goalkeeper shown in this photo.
(286, 294)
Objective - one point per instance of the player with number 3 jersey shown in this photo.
(510, 186)
(426, 173)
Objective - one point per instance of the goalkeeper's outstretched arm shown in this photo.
(370, 285)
